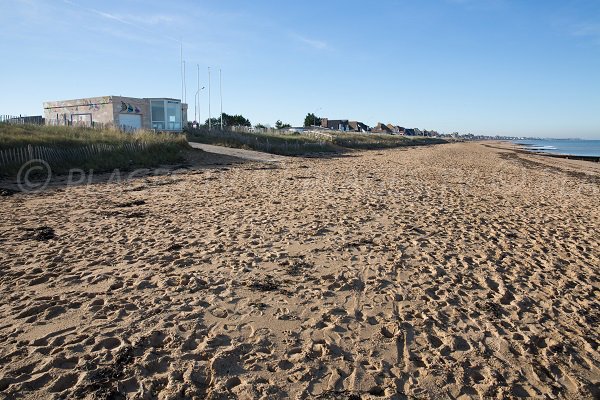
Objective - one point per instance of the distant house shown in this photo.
(395, 129)
(344, 125)
(335, 124)
(381, 128)
(162, 114)
(356, 126)
(413, 132)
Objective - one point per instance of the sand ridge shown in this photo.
(450, 271)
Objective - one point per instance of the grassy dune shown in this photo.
(376, 141)
(282, 144)
(97, 149)
(297, 144)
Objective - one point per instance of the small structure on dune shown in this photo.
(128, 113)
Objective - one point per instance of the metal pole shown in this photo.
(199, 116)
(209, 121)
(184, 85)
(196, 106)
(197, 98)
(181, 69)
(221, 95)
(315, 116)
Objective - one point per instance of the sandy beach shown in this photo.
(459, 271)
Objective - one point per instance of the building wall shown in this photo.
(132, 105)
(100, 109)
(104, 110)
(184, 116)
(336, 124)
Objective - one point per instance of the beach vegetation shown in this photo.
(284, 142)
(89, 148)
(312, 120)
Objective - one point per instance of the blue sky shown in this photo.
(511, 67)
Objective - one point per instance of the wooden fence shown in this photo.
(21, 120)
(39, 120)
(56, 156)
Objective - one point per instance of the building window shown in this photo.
(158, 114)
(173, 115)
(166, 114)
(81, 119)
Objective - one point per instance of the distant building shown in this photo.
(413, 132)
(381, 128)
(296, 129)
(395, 129)
(129, 113)
(356, 126)
(21, 120)
(344, 125)
(335, 124)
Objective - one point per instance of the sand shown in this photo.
(454, 271)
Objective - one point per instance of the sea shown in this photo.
(575, 147)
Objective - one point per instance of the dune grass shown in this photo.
(282, 144)
(97, 149)
(373, 141)
(298, 144)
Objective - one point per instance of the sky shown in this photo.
(492, 67)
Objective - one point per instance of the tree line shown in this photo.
(239, 120)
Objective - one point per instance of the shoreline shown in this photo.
(523, 148)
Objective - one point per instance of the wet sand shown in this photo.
(454, 271)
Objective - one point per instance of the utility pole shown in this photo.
(221, 95)
(209, 121)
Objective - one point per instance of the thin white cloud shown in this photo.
(587, 30)
(136, 21)
(479, 4)
(315, 44)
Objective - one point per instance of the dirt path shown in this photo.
(250, 155)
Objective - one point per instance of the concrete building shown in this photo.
(129, 113)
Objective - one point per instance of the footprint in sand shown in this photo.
(108, 343)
